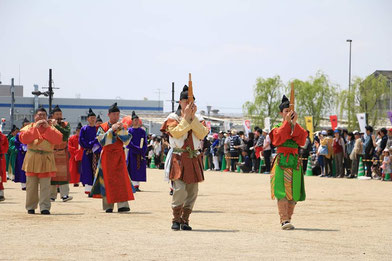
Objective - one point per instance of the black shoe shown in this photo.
(185, 226)
(171, 192)
(45, 212)
(175, 226)
(137, 189)
(109, 210)
(124, 209)
(23, 188)
(52, 199)
(31, 211)
(2, 198)
(76, 185)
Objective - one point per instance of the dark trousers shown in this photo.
(368, 165)
(267, 159)
(234, 161)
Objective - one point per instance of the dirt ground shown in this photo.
(234, 218)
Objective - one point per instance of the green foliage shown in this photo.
(367, 96)
(314, 97)
(267, 96)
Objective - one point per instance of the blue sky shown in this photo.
(130, 49)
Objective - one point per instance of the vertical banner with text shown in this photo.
(309, 126)
(247, 127)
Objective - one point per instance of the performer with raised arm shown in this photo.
(112, 182)
(185, 167)
(91, 151)
(39, 163)
(137, 163)
(61, 156)
(287, 180)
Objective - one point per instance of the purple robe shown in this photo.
(136, 161)
(20, 175)
(88, 141)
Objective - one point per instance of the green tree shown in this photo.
(367, 96)
(314, 97)
(267, 97)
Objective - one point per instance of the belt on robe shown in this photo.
(192, 153)
(40, 151)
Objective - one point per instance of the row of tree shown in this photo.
(320, 98)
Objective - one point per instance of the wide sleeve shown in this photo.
(110, 137)
(180, 129)
(66, 131)
(199, 129)
(3, 144)
(280, 134)
(52, 135)
(28, 134)
(72, 145)
(84, 143)
(124, 135)
(299, 135)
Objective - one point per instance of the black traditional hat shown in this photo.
(134, 116)
(114, 108)
(79, 126)
(90, 113)
(184, 93)
(13, 128)
(25, 121)
(57, 108)
(99, 119)
(183, 96)
(285, 103)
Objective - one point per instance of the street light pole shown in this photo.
(50, 91)
(349, 80)
(12, 102)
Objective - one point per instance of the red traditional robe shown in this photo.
(3, 151)
(76, 154)
(112, 168)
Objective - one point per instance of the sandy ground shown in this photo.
(234, 218)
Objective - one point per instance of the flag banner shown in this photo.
(390, 116)
(267, 123)
(309, 126)
(362, 121)
(247, 128)
(334, 121)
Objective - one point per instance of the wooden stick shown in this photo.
(190, 89)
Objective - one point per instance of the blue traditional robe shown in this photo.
(20, 175)
(136, 162)
(89, 142)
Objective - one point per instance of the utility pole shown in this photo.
(49, 93)
(172, 100)
(349, 80)
(12, 89)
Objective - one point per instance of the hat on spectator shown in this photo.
(324, 132)
(266, 130)
(386, 150)
(215, 136)
(337, 131)
(356, 132)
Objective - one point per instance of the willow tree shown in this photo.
(267, 97)
(367, 96)
(314, 97)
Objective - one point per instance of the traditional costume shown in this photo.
(20, 175)
(39, 164)
(3, 174)
(287, 180)
(11, 154)
(76, 154)
(62, 159)
(91, 151)
(184, 162)
(112, 182)
(137, 149)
